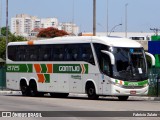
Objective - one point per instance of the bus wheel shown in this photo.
(24, 88)
(33, 89)
(123, 98)
(91, 92)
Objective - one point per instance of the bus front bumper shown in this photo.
(117, 90)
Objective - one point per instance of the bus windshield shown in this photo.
(130, 64)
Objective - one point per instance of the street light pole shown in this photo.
(94, 17)
(114, 28)
(6, 22)
(126, 19)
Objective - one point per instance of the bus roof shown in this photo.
(110, 41)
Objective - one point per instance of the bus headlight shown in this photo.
(114, 83)
(145, 85)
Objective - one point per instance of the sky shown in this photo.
(142, 14)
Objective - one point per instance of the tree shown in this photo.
(3, 31)
(11, 38)
(51, 32)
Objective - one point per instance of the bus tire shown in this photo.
(24, 88)
(33, 89)
(91, 91)
(123, 98)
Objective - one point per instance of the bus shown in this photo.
(140, 38)
(96, 66)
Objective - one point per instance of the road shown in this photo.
(76, 103)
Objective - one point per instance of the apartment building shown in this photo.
(70, 28)
(23, 24)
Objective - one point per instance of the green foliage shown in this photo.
(3, 31)
(2, 47)
(11, 38)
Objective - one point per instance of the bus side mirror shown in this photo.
(152, 58)
(112, 58)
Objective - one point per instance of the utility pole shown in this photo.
(73, 18)
(94, 17)
(6, 22)
(126, 19)
(107, 17)
(155, 30)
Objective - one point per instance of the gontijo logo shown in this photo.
(71, 68)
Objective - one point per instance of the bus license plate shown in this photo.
(132, 92)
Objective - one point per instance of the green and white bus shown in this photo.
(96, 66)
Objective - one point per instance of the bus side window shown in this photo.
(87, 54)
(72, 52)
(44, 53)
(11, 52)
(58, 52)
(20, 53)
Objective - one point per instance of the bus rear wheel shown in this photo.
(91, 92)
(33, 89)
(123, 98)
(24, 89)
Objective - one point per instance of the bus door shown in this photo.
(105, 68)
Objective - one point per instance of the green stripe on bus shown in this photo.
(142, 83)
(57, 68)
(44, 68)
(19, 68)
(47, 78)
(126, 83)
(86, 68)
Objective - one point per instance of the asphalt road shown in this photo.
(11, 102)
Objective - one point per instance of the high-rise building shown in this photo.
(23, 24)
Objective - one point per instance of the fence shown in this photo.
(154, 82)
(2, 78)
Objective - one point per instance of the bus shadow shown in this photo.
(110, 98)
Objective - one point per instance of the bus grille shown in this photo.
(133, 87)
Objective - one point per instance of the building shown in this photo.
(70, 28)
(49, 22)
(23, 24)
(131, 35)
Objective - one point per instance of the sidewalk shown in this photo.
(7, 92)
(146, 98)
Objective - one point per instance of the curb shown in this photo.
(157, 99)
(85, 95)
(9, 92)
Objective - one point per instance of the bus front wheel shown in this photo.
(91, 91)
